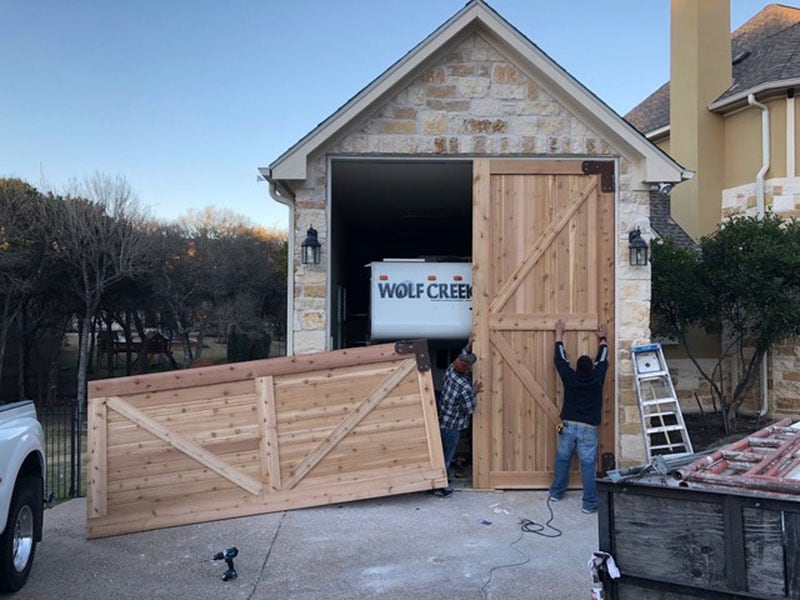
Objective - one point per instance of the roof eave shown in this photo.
(617, 131)
(660, 167)
(768, 88)
(292, 163)
(658, 134)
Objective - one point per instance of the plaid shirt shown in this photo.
(458, 400)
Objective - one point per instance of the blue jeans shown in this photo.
(583, 438)
(450, 439)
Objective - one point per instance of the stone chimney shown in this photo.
(700, 70)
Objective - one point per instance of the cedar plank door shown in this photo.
(543, 249)
(262, 436)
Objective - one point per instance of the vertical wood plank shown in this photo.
(517, 435)
(765, 571)
(498, 267)
(561, 255)
(552, 277)
(733, 530)
(345, 427)
(500, 386)
(268, 432)
(97, 466)
(593, 262)
(544, 447)
(606, 258)
(427, 398)
(541, 293)
(512, 201)
(499, 237)
(792, 543)
(482, 252)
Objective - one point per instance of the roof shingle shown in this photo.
(664, 225)
(772, 38)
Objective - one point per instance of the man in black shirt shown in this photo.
(580, 416)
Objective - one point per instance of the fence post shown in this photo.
(73, 429)
(79, 413)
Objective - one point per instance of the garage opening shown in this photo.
(394, 209)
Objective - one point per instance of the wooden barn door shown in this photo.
(543, 249)
(247, 438)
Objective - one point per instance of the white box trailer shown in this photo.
(419, 299)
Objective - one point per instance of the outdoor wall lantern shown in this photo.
(637, 247)
(309, 249)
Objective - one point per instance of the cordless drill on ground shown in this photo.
(228, 555)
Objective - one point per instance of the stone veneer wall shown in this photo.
(782, 196)
(474, 102)
(688, 382)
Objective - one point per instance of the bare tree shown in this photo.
(22, 264)
(219, 271)
(180, 282)
(213, 222)
(99, 236)
(12, 198)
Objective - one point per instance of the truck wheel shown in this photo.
(18, 541)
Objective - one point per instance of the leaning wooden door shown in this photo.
(247, 438)
(543, 249)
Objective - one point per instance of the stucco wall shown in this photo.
(474, 102)
(743, 143)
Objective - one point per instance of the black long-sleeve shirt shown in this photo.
(583, 395)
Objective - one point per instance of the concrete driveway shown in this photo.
(413, 546)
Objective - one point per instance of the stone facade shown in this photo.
(475, 102)
(781, 195)
(785, 379)
(690, 386)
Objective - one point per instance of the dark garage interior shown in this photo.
(391, 208)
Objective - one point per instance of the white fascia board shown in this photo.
(767, 86)
(607, 123)
(593, 111)
(292, 163)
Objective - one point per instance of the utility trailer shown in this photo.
(725, 527)
(415, 298)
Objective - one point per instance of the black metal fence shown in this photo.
(64, 427)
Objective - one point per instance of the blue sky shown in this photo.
(187, 98)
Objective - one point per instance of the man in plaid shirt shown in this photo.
(459, 399)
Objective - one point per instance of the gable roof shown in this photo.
(766, 55)
(477, 16)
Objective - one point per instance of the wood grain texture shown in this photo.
(543, 250)
(690, 543)
(271, 441)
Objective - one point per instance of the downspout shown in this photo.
(790, 143)
(288, 201)
(765, 158)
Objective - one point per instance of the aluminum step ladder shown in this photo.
(663, 427)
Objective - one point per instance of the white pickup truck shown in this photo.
(22, 469)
